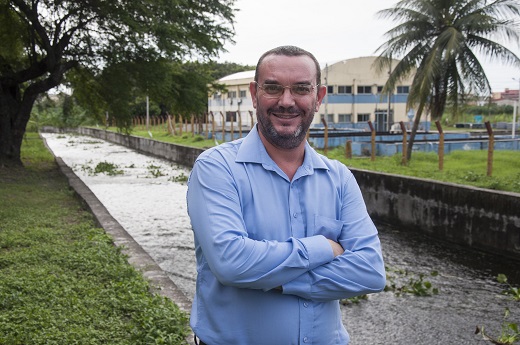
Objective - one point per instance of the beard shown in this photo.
(284, 140)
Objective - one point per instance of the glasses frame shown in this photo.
(267, 95)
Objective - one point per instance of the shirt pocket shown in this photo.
(328, 227)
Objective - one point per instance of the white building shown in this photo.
(237, 100)
(353, 98)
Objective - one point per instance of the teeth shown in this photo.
(286, 116)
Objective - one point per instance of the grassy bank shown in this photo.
(460, 167)
(62, 281)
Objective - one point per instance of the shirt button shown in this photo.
(305, 304)
(295, 215)
(305, 339)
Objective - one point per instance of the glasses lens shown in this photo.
(301, 89)
(276, 90)
(273, 89)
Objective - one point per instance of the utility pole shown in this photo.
(327, 86)
(389, 115)
(515, 110)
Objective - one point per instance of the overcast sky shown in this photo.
(332, 30)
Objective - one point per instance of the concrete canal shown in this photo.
(148, 200)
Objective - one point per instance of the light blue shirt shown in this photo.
(256, 230)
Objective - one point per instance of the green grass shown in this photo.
(62, 281)
(460, 167)
(187, 138)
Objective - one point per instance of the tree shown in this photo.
(175, 88)
(439, 41)
(42, 40)
(219, 70)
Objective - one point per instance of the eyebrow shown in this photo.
(269, 81)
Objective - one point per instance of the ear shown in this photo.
(253, 90)
(322, 91)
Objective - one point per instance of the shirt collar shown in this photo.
(252, 150)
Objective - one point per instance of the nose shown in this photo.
(287, 98)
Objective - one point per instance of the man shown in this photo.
(281, 232)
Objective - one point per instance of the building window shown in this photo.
(379, 89)
(232, 94)
(363, 117)
(344, 118)
(345, 89)
(243, 94)
(330, 118)
(403, 89)
(330, 89)
(364, 89)
(217, 95)
(231, 116)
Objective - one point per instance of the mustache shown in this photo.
(285, 111)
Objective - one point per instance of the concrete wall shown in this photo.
(479, 218)
(184, 155)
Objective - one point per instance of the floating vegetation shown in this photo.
(155, 171)
(106, 168)
(182, 178)
(414, 283)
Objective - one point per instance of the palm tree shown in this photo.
(439, 41)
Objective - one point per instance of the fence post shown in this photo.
(403, 130)
(206, 120)
(491, 145)
(239, 124)
(348, 149)
(251, 116)
(372, 141)
(232, 130)
(325, 136)
(213, 126)
(441, 145)
(169, 124)
(223, 127)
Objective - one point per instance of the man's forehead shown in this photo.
(300, 66)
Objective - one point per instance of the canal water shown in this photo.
(148, 200)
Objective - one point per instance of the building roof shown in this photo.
(239, 75)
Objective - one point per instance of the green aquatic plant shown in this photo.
(416, 283)
(510, 333)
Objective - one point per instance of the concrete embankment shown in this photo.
(482, 219)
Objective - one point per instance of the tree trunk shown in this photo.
(415, 126)
(16, 102)
(15, 112)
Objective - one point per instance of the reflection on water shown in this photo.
(469, 295)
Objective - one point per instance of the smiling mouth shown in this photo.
(285, 116)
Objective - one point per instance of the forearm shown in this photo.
(348, 275)
(246, 263)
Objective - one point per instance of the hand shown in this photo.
(336, 248)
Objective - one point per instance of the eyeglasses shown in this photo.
(277, 90)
